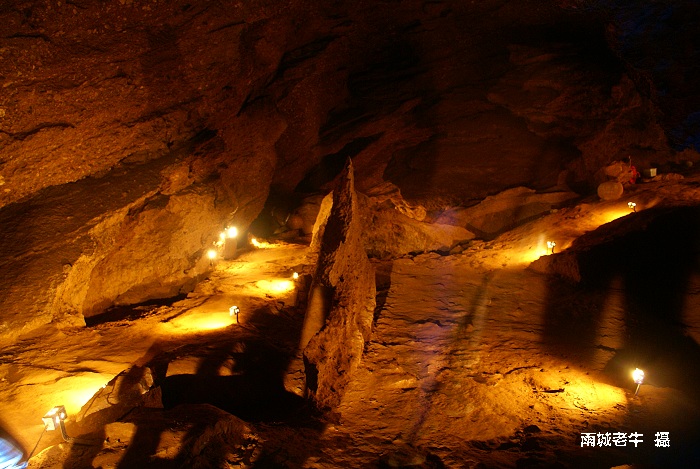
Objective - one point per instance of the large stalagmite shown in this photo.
(341, 301)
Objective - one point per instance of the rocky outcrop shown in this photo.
(194, 435)
(506, 210)
(129, 389)
(341, 304)
(137, 233)
(395, 228)
(391, 227)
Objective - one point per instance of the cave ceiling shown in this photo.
(451, 91)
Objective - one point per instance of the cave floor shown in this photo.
(474, 361)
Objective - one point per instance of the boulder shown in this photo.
(505, 210)
(610, 190)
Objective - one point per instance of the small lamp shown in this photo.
(55, 418)
(231, 231)
(295, 275)
(211, 254)
(550, 245)
(638, 377)
(632, 206)
(234, 310)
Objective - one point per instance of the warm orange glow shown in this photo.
(231, 231)
(257, 243)
(527, 254)
(262, 244)
(595, 395)
(222, 236)
(76, 391)
(612, 214)
(532, 254)
(211, 254)
(275, 286)
(295, 275)
(201, 321)
(582, 390)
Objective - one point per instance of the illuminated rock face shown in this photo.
(131, 388)
(134, 235)
(339, 316)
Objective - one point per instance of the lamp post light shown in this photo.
(230, 234)
(211, 254)
(550, 245)
(234, 310)
(632, 206)
(638, 377)
(54, 419)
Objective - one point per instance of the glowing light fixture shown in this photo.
(211, 254)
(551, 245)
(638, 377)
(632, 206)
(231, 231)
(54, 418)
(234, 310)
(295, 275)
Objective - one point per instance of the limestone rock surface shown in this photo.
(341, 305)
(130, 389)
(505, 210)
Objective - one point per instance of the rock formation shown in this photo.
(390, 226)
(506, 210)
(130, 389)
(341, 304)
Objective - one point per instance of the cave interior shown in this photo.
(391, 234)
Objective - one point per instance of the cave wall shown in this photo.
(132, 131)
(122, 154)
(658, 44)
